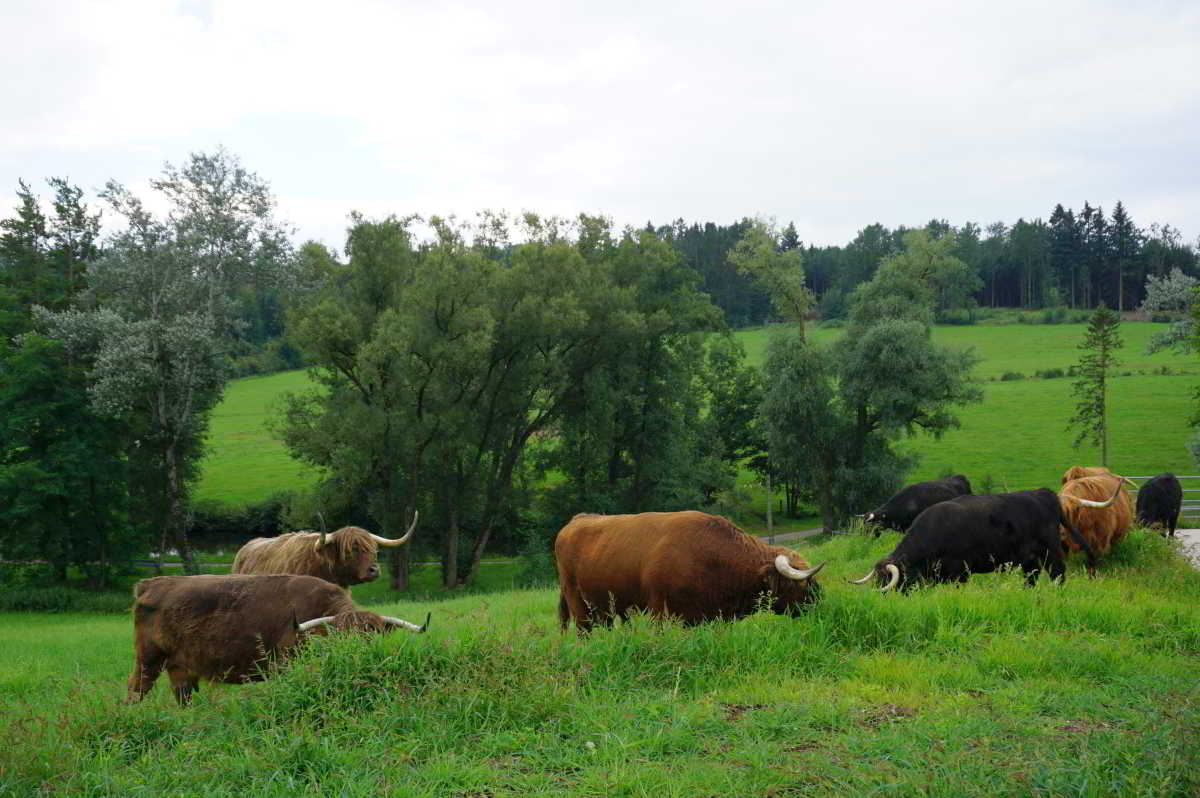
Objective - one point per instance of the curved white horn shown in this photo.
(869, 517)
(315, 622)
(784, 567)
(398, 541)
(406, 624)
(895, 572)
(1090, 503)
(864, 580)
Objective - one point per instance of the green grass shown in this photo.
(245, 463)
(1018, 435)
(990, 689)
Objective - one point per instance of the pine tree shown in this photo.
(1099, 345)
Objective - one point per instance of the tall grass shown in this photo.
(1084, 688)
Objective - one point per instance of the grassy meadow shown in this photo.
(990, 689)
(1017, 436)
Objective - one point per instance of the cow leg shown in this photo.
(1054, 563)
(564, 612)
(147, 664)
(1174, 523)
(183, 683)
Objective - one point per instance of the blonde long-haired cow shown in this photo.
(346, 557)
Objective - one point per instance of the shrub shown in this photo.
(1049, 374)
(957, 316)
(1055, 315)
(832, 324)
(62, 599)
(1009, 376)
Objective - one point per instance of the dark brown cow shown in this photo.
(1099, 507)
(229, 628)
(690, 565)
(346, 557)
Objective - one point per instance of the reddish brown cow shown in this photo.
(1099, 507)
(690, 565)
(229, 628)
(346, 557)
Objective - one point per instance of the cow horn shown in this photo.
(321, 543)
(864, 580)
(895, 572)
(784, 567)
(398, 541)
(406, 624)
(1090, 503)
(315, 622)
(869, 517)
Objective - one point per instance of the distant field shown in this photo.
(1018, 435)
(245, 463)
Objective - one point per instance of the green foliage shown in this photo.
(157, 330)
(777, 270)
(1091, 387)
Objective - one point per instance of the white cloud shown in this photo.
(835, 115)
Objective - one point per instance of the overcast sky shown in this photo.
(832, 115)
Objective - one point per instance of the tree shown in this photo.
(778, 272)
(832, 415)
(930, 260)
(63, 495)
(159, 321)
(1100, 343)
(1125, 241)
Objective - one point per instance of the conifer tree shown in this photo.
(1098, 361)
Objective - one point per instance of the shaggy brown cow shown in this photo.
(1079, 472)
(346, 557)
(690, 565)
(1099, 507)
(229, 628)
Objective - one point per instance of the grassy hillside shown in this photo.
(1018, 435)
(991, 689)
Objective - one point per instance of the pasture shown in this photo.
(1017, 436)
(989, 689)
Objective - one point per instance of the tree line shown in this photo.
(497, 375)
(1074, 260)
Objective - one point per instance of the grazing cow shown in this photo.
(229, 628)
(978, 534)
(902, 509)
(1099, 507)
(1159, 502)
(346, 557)
(689, 565)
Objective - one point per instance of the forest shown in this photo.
(494, 374)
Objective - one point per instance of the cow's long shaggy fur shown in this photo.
(221, 628)
(1101, 527)
(1079, 472)
(689, 565)
(342, 560)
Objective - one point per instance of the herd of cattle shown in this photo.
(689, 565)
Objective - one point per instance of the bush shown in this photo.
(216, 526)
(957, 316)
(1009, 376)
(62, 599)
(1049, 374)
(1056, 315)
(833, 324)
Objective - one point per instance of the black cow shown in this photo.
(1159, 502)
(902, 509)
(978, 534)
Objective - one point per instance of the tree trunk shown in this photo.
(176, 525)
(450, 557)
(770, 518)
(398, 567)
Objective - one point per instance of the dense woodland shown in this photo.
(495, 375)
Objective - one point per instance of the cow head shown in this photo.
(351, 554)
(791, 582)
(358, 621)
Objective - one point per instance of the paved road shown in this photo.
(1191, 543)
